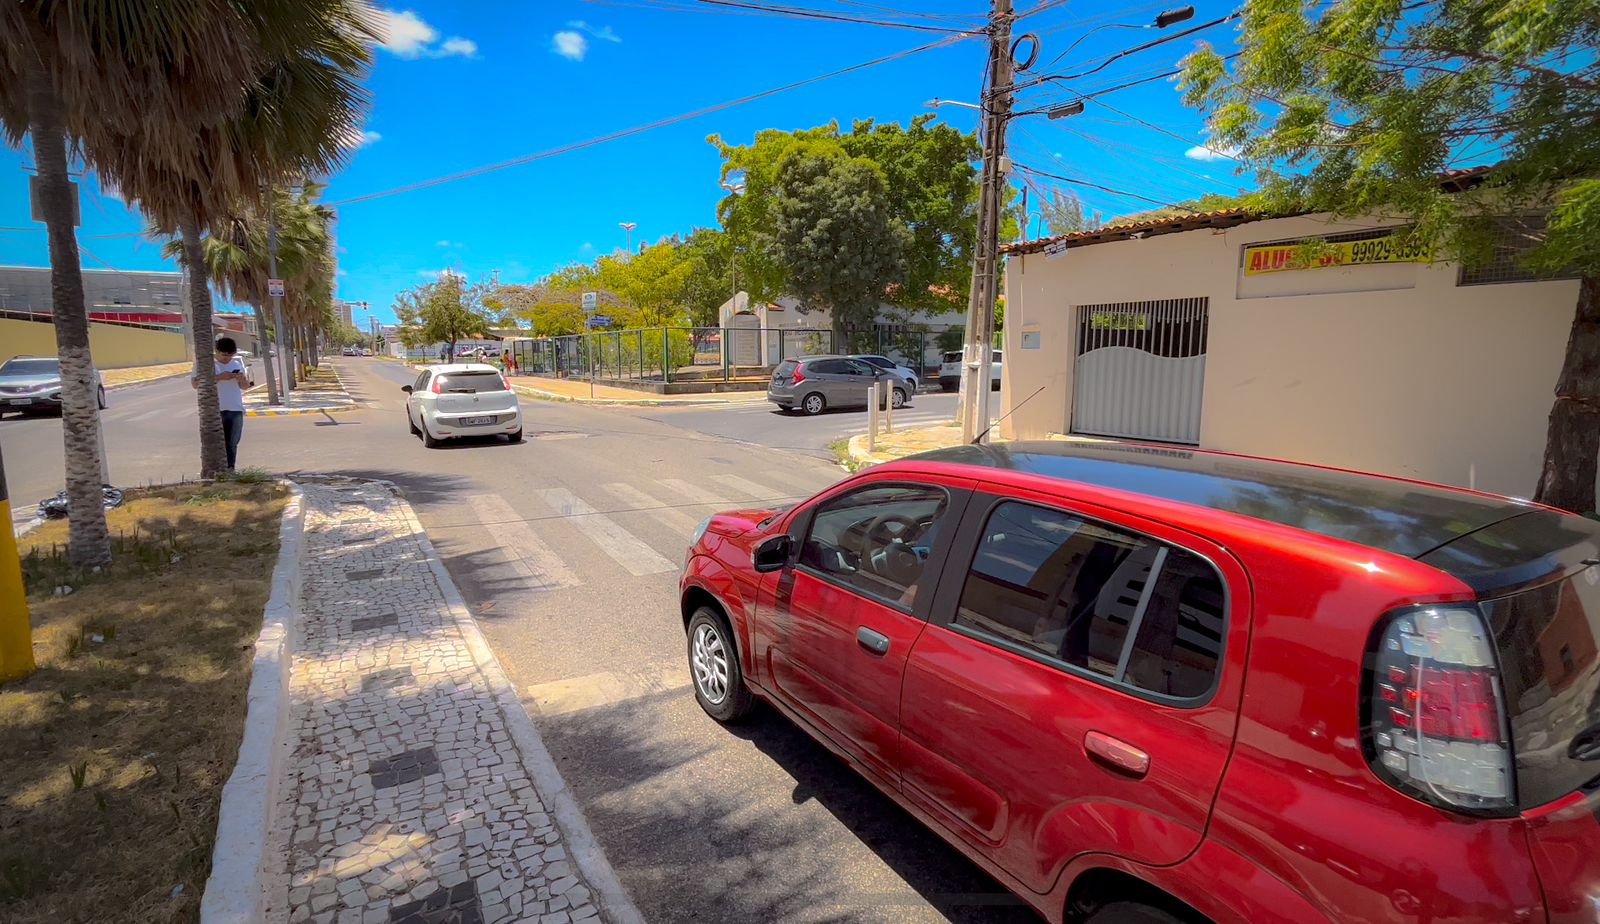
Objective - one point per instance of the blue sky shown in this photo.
(462, 85)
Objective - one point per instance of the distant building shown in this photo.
(346, 313)
(135, 297)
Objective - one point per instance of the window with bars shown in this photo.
(1511, 239)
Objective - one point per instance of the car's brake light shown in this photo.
(435, 386)
(798, 376)
(1435, 723)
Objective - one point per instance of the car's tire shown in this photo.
(102, 397)
(428, 439)
(898, 398)
(412, 424)
(813, 404)
(714, 667)
(1131, 913)
(515, 436)
(944, 387)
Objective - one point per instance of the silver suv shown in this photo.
(812, 384)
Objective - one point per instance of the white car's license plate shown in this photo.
(476, 421)
(21, 400)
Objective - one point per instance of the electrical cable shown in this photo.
(805, 13)
(627, 132)
(1115, 192)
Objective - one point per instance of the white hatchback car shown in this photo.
(462, 399)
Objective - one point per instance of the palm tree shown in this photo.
(66, 77)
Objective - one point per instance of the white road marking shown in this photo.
(673, 517)
(692, 493)
(592, 691)
(751, 489)
(624, 547)
(526, 552)
(148, 414)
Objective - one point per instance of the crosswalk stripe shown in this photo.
(692, 493)
(147, 415)
(624, 547)
(674, 518)
(750, 488)
(527, 553)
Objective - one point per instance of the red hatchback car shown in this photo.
(1145, 684)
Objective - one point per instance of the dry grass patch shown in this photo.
(115, 751)
(133, 374)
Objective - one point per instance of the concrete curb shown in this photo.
(159, 378)
(297, 411)
(586, 853)
(543, 395)
(234, 893)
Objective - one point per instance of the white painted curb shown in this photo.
(235, 892)
(616, 906)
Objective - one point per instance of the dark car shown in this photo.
(32, 384)
(1145, 684)
(812, 384)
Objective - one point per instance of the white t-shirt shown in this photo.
(230, 394)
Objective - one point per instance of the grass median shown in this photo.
(114, 752)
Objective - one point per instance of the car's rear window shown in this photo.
(31, 367)
(1550, 669)
(785, 369)
(467, 383)
(951, 357)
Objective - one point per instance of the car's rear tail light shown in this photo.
(1436, 723)
(798, 376)
(435, 387)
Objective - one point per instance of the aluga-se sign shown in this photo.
(1278, 258)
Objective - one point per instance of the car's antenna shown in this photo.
(979, 438)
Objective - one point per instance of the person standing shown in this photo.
(233, 377)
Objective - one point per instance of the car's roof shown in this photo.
(1404, 517)
(447, 368)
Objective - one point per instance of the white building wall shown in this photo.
(1390, 368)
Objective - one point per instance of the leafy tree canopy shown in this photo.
(445, 310)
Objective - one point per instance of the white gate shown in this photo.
(1140, 369)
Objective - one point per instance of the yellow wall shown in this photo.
(1391, 369)
(113, 346)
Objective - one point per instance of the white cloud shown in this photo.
(1210, 154)
(587, 247)
(407, 35)
(570, 45)
(604, 33)
(356, 138)
(441, 243)
(346, 273)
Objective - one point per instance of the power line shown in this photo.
(1153, 127)
(1108, 59)
(1115, 192)
(659, 123)
(808, 13)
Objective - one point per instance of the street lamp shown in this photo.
(1068, 109)
(627, 227)
(936, 102)
(734, 188)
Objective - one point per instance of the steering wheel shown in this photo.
(899, 561)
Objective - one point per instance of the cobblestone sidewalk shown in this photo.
(407, 800)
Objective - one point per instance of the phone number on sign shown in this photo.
(1388, 250)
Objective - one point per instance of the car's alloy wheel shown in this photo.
(898, 398)
(813, 403)
(714, 664)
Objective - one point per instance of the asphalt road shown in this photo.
(567, 548)
(763, 424)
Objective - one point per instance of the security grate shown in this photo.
(1140, 368)
(1512, 237)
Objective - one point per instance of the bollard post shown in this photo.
(16, 636)
(888, 407)
(872, 417)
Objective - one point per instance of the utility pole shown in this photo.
(277, 300)
(979, 348)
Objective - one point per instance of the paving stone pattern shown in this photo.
(405, 800)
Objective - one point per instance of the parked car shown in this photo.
(33, 383)
(462, 399)
(950, 370)
(1145, 684)
(812, 384)
(904, 373)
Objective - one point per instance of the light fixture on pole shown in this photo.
(627, 227)
(1066, 109)
(936, 102)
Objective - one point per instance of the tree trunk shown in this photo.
(89, 542)
(286, 350)
(1573, 439)
(213, 449)
(266, 354)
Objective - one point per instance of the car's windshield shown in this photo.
(35, 366)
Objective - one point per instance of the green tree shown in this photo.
(445, 310)
(649, 284)
(833, 235)
(1064, 213)
(713, 275)
(1357, 107)
(932, 195)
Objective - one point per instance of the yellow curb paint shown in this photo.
(16, 634)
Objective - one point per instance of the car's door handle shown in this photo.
(875, 642)
(1116, 754)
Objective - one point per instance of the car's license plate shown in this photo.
(476, 421)
(21, 400)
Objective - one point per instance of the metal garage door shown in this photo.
(1140, 369)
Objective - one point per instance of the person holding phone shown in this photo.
(233, 377)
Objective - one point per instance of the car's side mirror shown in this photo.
(772, 554)
(406, 389)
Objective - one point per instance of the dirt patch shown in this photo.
(134, 374)
(115, 750)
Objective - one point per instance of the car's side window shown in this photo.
(422, 382)
(827, 367)
(1071, 590)
(876, 539)
(857, 367)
